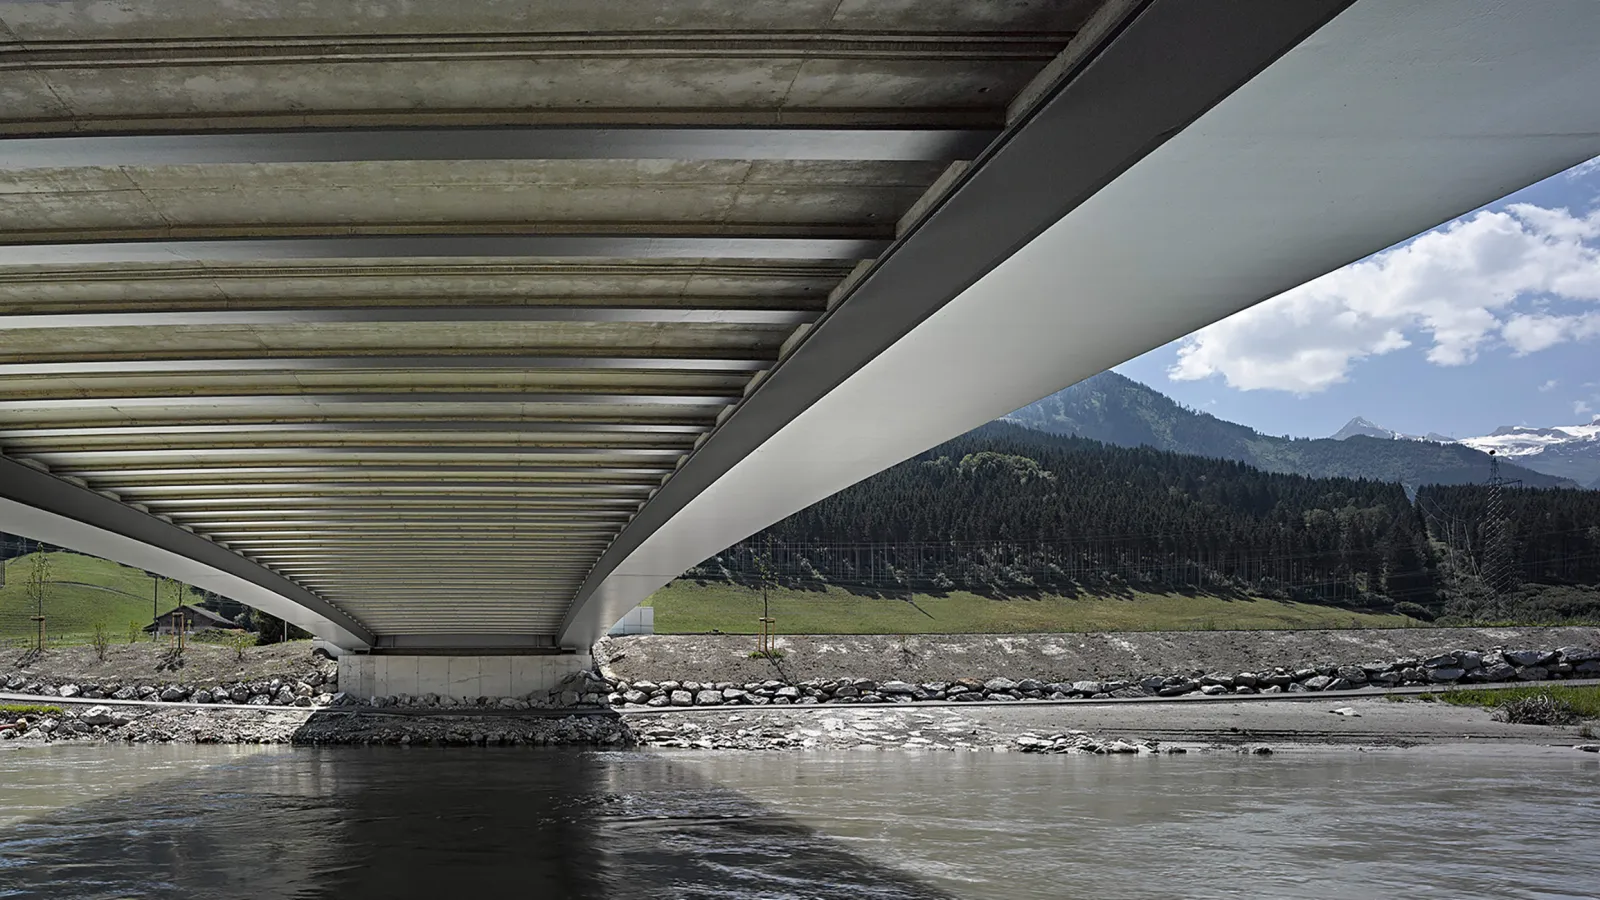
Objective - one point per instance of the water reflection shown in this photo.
(390, 823)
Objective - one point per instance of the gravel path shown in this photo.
(1047, 657)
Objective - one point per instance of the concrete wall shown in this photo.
(641, 620)
(462, 677)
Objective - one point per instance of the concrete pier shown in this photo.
(461, 677)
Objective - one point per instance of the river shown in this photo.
(186, 821)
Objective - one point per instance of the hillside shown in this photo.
(83, 591)
(1006, 510)
(1117, 410)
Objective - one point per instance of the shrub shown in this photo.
(1542, 709)
(1414, 610)
(240, 641)
(101, 641)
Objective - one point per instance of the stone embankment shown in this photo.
(1496, 665)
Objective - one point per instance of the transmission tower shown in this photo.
(1499, 568)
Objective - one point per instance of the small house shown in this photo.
(190, 619)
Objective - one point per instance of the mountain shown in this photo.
(1359, 427)
(1118, 410)
(1565, 451)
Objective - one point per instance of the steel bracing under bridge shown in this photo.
(468, 330)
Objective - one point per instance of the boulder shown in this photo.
(303, 689)
(1088, 688)
(1212, 690)
(96, 715)
(891, 688)
(174, 694)
(1444, 674)
(635, 696)
(1587, 667)
(1317, 683)
(1469, 659)
(68, 690)
(1339, 684)
(200, 696)
(1029, 684)
(999, 684)
(681, 698)
(1177, 690)
(1529, 657)
(787, 692)
(658, 701)
(1216, 679)
(734, 695)
(1245, 679)
(1353, 674)
(127, 693)
(261, 700)
(708, 697)
(1500, 671)
(15, 683)
(1533, 673)
(848, 692)
(1577, 655)
(1442, 661)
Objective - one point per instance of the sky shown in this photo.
(1490, 319)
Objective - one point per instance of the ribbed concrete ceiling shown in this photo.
(417, 303)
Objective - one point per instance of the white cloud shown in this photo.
(1532, 333)
(1580, 408)
(1458, 287)
(1548, 386)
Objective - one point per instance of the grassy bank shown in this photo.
(83, 591)
(1584, 699)
(687, 607)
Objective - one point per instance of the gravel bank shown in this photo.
(156, 663)
(1106, 728)
(1047, 657)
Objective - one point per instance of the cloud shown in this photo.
(1506, 276)
(1581, 408)
(1548, 386)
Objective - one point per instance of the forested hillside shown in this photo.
(1005, 508)
(1117, 410)
(1549, 540)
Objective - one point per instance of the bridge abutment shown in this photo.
(461, 677)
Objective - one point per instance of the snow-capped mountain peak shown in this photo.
(1368, 428)
(1524, 440)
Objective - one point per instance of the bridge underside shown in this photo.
(467, 329)
(416, 309)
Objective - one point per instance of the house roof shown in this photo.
(199, 616)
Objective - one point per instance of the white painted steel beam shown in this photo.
(1393, 117)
